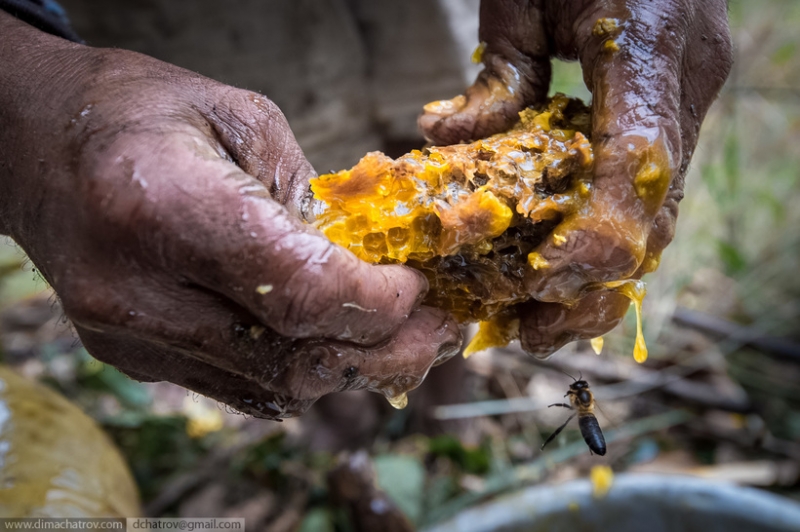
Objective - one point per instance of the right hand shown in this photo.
(654, 68)
(165, 209)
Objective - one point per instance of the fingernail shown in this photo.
(424, 287)
(446, 352)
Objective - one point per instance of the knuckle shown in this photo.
(267, 118)
(318, 372)
(317, 290)
(663, 229)
(724, 52)
(541, 329)
(111, 182)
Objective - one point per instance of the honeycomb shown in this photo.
(468, 216)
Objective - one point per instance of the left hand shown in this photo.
(654, 69)
(165, 210)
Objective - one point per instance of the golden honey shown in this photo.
(468, 216)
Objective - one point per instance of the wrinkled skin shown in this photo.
(649, 99)
(165, 209)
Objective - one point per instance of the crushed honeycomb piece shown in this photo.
(469, 216)
(477, 55)
(497, 331)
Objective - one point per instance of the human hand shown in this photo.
(165, 209)
(654, 69)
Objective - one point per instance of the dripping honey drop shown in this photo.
(399, 401)
(597, 345)
(635, 290)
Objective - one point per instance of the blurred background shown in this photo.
(718, 398)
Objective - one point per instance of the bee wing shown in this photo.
(606, 416)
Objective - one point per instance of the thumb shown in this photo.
(516, 74)
(255, 134)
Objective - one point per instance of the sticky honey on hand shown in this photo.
(468, 216)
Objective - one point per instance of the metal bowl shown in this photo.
(652, 503)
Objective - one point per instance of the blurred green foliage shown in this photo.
(157, 448)
(267, 460)
(16, 280)
(93, 375)
(475, 461)
(402, 478)
(318, 519)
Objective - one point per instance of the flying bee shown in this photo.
(582, 404)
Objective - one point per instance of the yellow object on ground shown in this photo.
(54, 460)
(602, 478)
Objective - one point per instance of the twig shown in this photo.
(292, 513)
(212, 466)
(352, 484)
(9, 268)
(636, 380)
(782, 348)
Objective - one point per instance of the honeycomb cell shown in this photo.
(469, 216)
